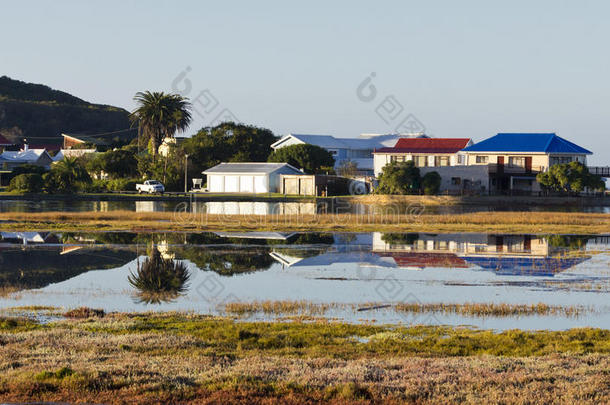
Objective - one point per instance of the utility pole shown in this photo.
(186, 165)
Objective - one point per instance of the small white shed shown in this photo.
(251, 177)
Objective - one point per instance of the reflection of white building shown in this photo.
(149, 206)
(254, 208)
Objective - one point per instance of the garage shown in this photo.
(247, 178)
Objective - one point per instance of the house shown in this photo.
(514, 159)
(252, 177)
(424, 152)
(37, 157)
(79, 141)
(72, 153)
(357, 150)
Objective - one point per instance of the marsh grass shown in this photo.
(308, 308)
(186, 358)
(540, 222)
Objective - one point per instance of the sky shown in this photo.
(454, 69)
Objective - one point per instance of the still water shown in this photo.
(267, 208)
(349, 270)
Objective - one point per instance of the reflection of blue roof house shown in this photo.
(357, 150)
(525, 266)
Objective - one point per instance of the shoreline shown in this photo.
(370, 199)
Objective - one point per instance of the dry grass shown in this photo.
(278, 308)
(84, 313)
(506, 222)
(117, 360)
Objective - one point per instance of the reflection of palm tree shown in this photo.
(159, 280)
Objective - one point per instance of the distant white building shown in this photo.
(72, 153)
(37, 157)
(357, 150)
(247, 177)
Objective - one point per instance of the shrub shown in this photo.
(431, 183)
(399, 178)
(26, 183)
(121, 184)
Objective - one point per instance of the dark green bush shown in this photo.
(431, 183)
(26, 183)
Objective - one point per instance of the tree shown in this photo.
(170, 171)
(431, 183)
(310, 158)
(158, 279)
(26, 183)
(118, 163)
(160, 115)
(399, 178)
(66, 176)
(571, 177)
(228, 142)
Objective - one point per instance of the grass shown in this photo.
(309, 308)
(182, 358)
(485, 222)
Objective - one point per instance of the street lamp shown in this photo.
(186, 165)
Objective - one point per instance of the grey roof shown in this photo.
(250, 168)
(365, 141)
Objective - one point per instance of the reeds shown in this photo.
(278, 308)
(539, 222)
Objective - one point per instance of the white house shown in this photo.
(247, 177)
(37, 157)
(357, 150)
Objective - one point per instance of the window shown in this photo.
(516, 161)
(456, 181)
(555, 160)
(420, 161)
(482, 159)
(333, 152)
(441, 161)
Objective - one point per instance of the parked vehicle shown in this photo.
(150, 187)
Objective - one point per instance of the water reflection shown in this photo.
(125, 271)
(267, 207)
(159, 279)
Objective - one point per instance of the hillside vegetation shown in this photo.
(34, 111)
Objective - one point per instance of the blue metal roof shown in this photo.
(526, 266)
(524, 142)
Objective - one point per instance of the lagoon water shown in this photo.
(267, 208)
(350, 270)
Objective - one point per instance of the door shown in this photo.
(500, 164)
(528, 164)
(246, 184)
(231, 184)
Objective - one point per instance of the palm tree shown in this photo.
(160, 115)
(67, 174)
(159, 280)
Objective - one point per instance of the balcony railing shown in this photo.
(495, 168)
(600, 171)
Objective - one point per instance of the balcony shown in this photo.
(495, 168)
(600, 171)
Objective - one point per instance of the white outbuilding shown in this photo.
(251, 177)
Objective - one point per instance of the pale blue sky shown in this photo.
(464, 69)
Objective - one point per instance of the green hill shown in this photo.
(41, 114)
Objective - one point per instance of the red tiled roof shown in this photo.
(423, 260)
(427, 145)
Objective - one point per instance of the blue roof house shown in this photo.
(514, 159)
